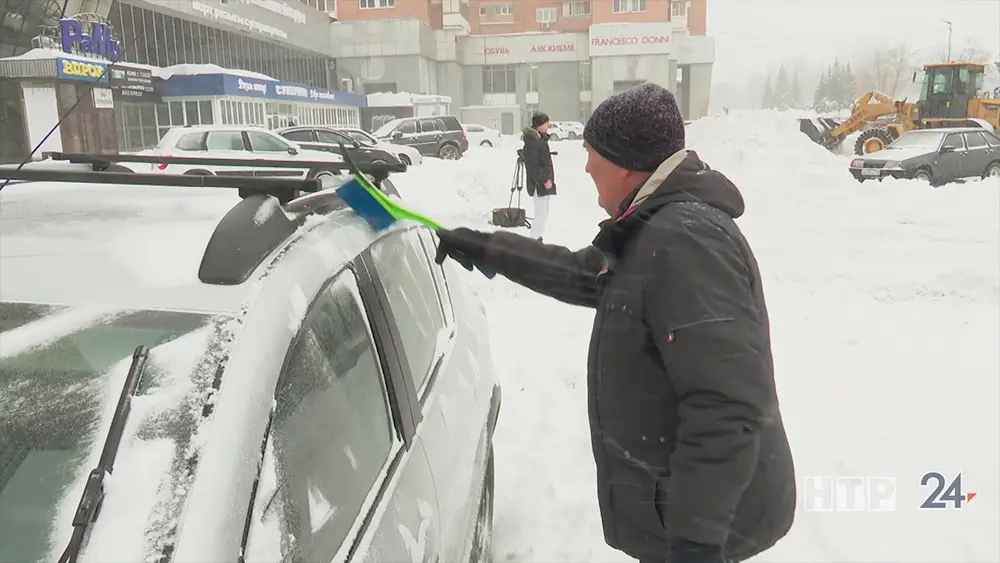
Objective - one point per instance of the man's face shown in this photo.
(613, 182)
(543, 127)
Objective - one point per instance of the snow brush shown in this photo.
(368, 201)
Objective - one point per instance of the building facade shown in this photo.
(563, 57)
(124, 71)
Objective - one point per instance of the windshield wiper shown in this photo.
(93, 492)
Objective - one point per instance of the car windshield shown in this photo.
(918, 140)
(61, 373)
(384, 130)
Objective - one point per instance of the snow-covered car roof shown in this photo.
(76, 244)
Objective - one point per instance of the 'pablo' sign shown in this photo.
(97, 42)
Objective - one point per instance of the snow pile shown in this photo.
(885, 308)
(196, 69)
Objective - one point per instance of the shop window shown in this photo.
(545, 15)
(629, 6)
(205, 110)
(586, 78)
(191, 113)
(576, 9)
(532, 78)
(499, 79)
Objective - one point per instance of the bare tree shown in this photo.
(970, 51)
(886, 70)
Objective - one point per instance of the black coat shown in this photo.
(537, 163)
(686, 432)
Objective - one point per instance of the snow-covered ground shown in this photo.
(885, 310)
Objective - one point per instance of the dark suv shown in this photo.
(441, 136)
(329, 140)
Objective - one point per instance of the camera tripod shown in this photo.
(512, 216)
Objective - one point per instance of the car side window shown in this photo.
(975, 140)
(953, 141)
(430, 248)
(262, 142)
(302, 135)
(404, 272)
(359, 137)
(429, 126)
(407, 128)
(332, 436)
(992, 139)
(191, 142)
(225, 141)
(331, 137)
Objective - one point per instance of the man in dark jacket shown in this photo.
(540, 178)
(693, 464)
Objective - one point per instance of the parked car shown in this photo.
(937, 156)
(406, 154)
(235, 142)
(568, 129)
(327, 139)
(440, 136)
(481, 136)
(302, 388)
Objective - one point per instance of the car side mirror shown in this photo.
(293, 150)
(397, 135)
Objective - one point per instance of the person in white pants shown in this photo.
(540, 177)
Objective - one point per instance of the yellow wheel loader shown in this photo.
(949, 97)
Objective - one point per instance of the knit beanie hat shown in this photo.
(538, 118)
(637, 129)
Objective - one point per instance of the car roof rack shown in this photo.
(101, 162)
(246, 235)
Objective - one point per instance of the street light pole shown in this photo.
(948, 59)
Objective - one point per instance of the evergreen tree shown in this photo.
(795, 96)
(768, 101)
(821, 96)
(781, 89)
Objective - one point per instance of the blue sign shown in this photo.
(98, 42)
(232, 85)
(87, 71)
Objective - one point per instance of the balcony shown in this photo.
(455, 14)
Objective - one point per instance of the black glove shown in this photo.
(465, 246)
(683, 551)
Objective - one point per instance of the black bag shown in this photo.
(510, 216)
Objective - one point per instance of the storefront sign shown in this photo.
(279, 8)
(624, 39)
(103, 98)
(247, 23)
(133, 84)
(97, 42)
(557, 48)
(534, 48)
(69, 69)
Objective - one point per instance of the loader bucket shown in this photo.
(819, 130)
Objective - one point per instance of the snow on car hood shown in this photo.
(890, 153)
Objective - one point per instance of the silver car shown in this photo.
(188, 377)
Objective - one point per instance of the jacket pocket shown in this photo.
(660, 500)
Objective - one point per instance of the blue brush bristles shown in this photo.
(358, 198)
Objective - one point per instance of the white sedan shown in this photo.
(481, 136)
(406, 154)
(236, 142)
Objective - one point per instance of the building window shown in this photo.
(678, 9)
(585, 76)
(496, 12)
(545, 15)
(576, 9)
(499, 79)
(375, 4)
(532, 78)
(529, 110)
(630, 6)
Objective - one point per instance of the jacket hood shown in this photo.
(684, 178)
(530, 132)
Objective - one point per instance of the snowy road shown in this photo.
(885, 310)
